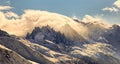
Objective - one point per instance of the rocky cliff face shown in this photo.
(47, 33)
(48, 37)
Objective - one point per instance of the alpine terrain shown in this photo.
(40, 37)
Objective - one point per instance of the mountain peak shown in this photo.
(47, 33)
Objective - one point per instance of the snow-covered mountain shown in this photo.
(50, 38)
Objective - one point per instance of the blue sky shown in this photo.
(70, 8)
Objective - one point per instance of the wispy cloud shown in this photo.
(92, 19)
(114, 8)
(5, 7)
(96, 20)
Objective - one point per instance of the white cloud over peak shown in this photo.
(36, 18)
(5, 7)
(20, 25)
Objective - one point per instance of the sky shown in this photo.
(109, 10)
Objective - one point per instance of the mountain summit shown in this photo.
(50, 38)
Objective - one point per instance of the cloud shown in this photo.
(112, 9)
(92, 19)
(11, 15)
(5, 7)
(36, 18)
(20, 25)
(117, 3)
(115, 8)
(97, 20)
